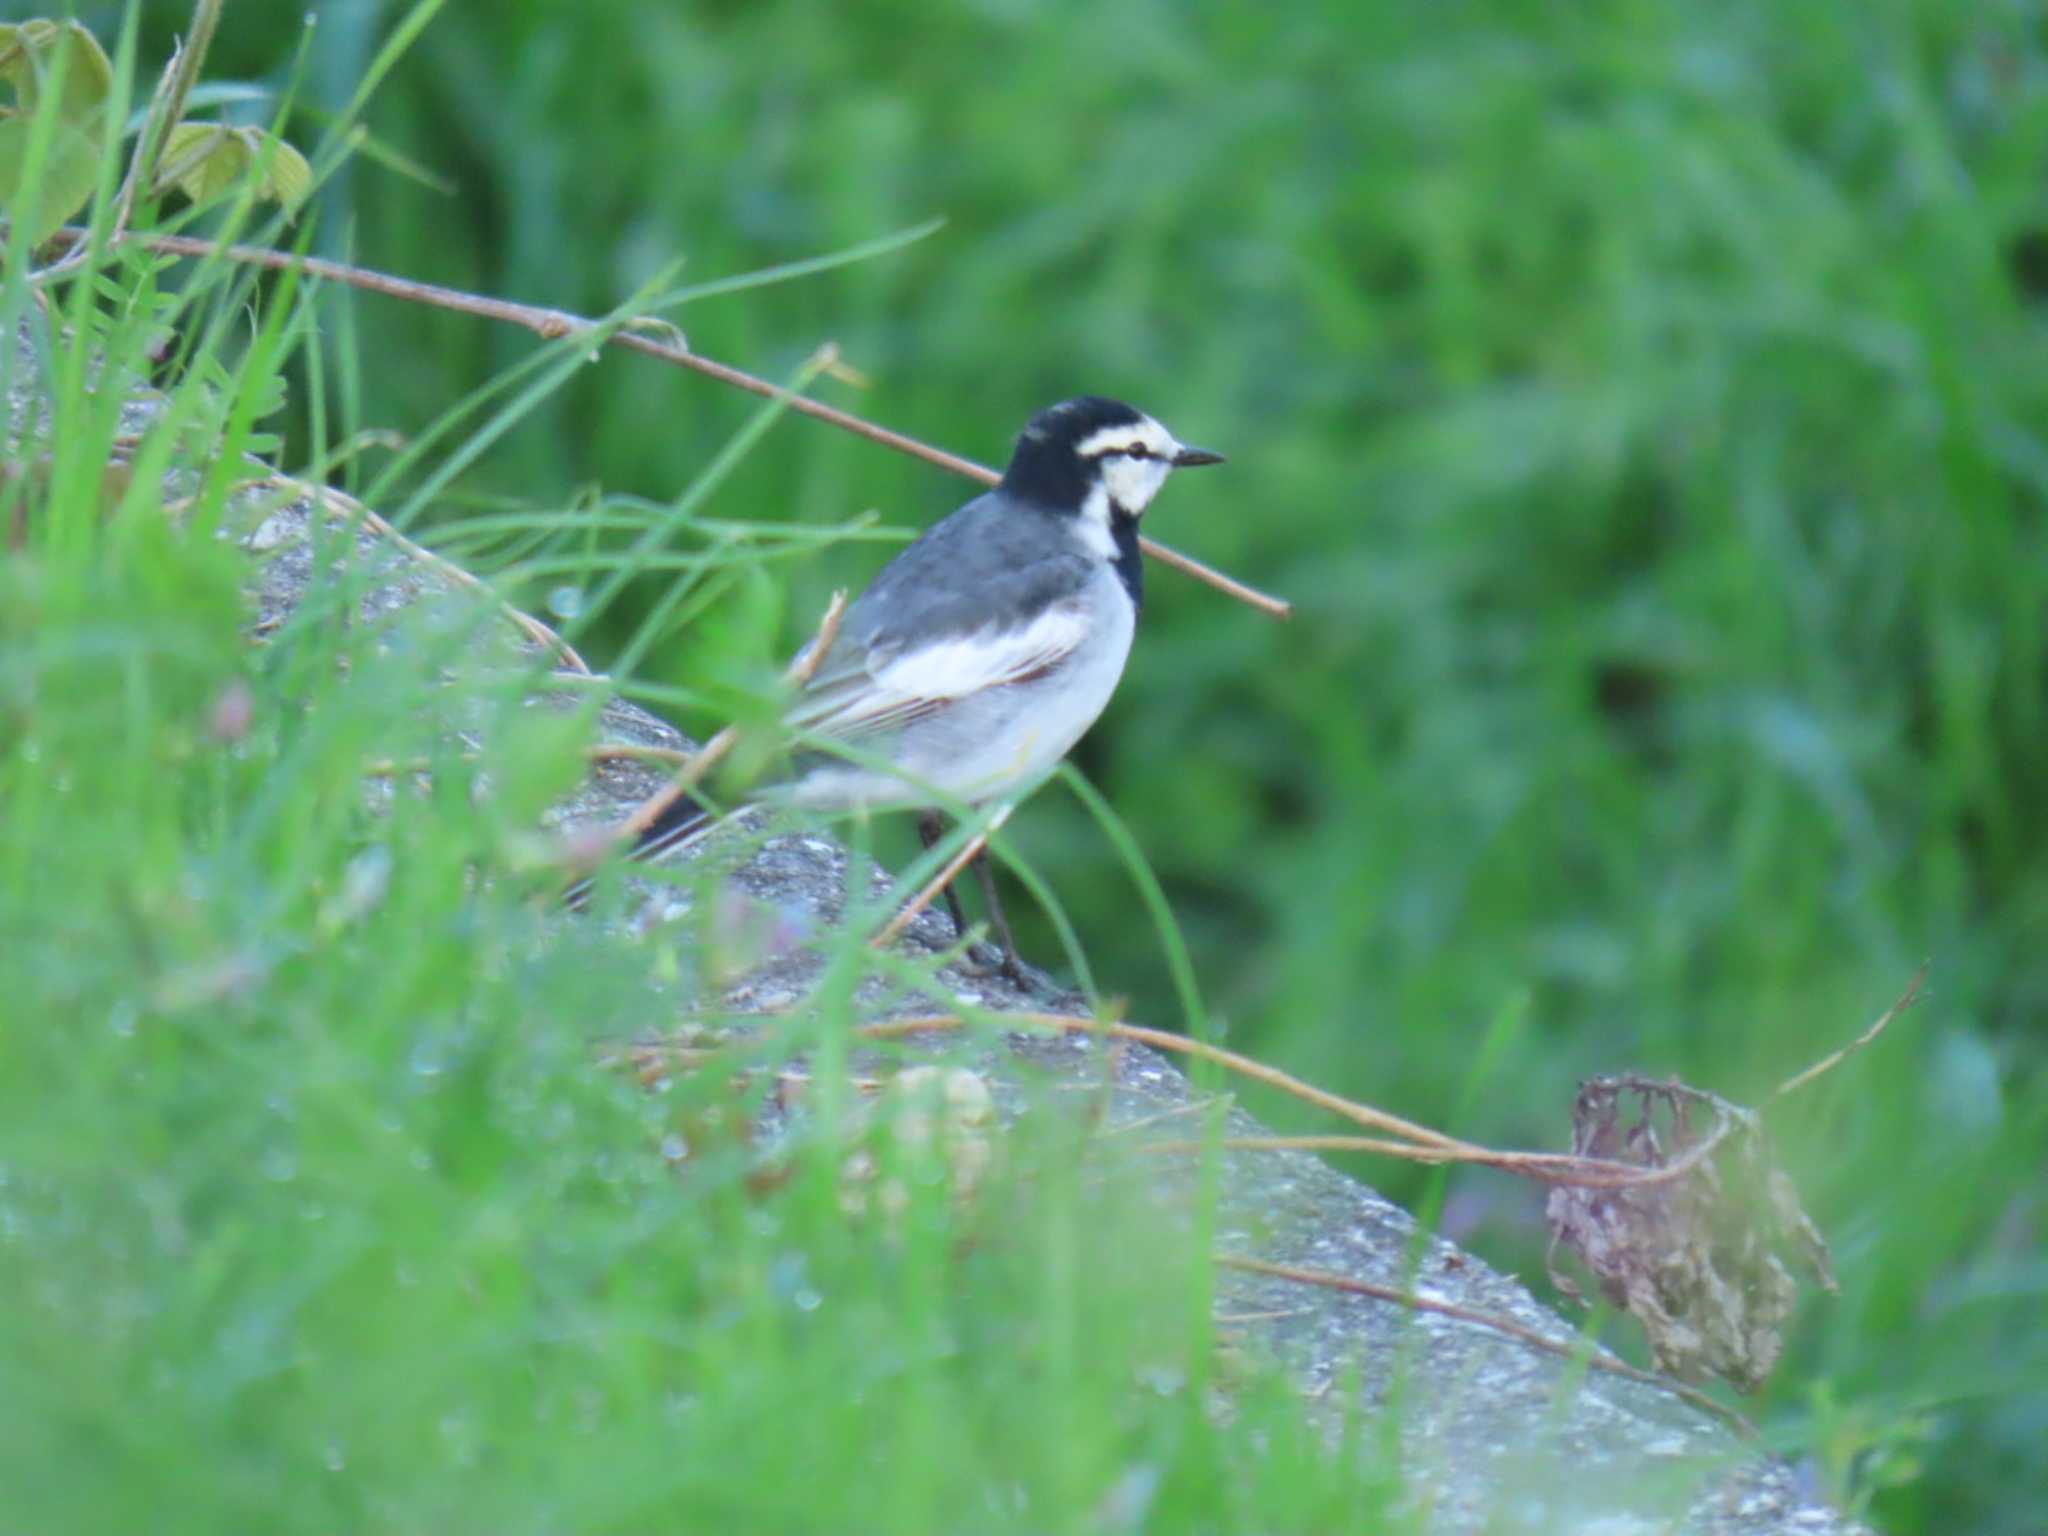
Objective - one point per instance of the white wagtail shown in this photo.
(980, 654)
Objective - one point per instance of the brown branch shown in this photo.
(1302, 1144)
(1418, 1144)
(552, 324)
(1159, 1039)
(1828, 1063)
(893, 929)
(1593, 1357)
(691, 774)
(636, 752)
(596, 752)
(1271, 1315)
(1158, 1116)
(652, 1060)
(1545, 1167)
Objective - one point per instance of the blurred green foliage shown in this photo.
(1645, 404)
(328, 1198)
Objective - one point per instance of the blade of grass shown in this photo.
(1179, 964)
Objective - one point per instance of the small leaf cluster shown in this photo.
(209, 160)
(48, 169)
(58, 68)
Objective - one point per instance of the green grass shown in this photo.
(1642, 403)
(321, 1208)
(321, 1205)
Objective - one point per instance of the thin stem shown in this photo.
(691, 774)
(636, 752)
(552, 324)
(1244, 1066)
(1545, 1167)
(166, 108)
(1829, 1062)
(893, 929)
(1598, 1360)
(1417, 1143)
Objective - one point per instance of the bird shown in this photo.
(981, 653)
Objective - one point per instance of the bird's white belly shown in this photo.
(996, 744)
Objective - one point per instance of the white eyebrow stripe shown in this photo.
(1148, 433)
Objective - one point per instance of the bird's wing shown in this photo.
(982, 598)
(888, 685)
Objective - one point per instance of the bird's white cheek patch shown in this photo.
(1133, 482)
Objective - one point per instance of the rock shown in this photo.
(1496, 1435)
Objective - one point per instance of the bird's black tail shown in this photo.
(678, 822)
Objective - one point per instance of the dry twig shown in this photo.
(893, 929)
(596, 752)
(553, 324)
(691, 774)
(1161, 1039)
(1596, 1359)
(1415, 1143)
(1829, 1062)
(636, 752)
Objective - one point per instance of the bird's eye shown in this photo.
(1137, 451)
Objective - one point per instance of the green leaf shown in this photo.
(209, 160)
(32, 54)
(29, 54)
(65, 181)
(290, 178)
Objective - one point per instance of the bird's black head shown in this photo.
(1069, 451)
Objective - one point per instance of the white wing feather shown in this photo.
(890, 688)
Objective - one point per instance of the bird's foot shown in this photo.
(982, 959)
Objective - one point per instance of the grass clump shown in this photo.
(320, 1204)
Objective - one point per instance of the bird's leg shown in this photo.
(1013, 964)
(931, 826)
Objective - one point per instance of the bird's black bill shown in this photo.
(1189, 458)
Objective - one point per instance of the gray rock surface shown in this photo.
(1497, 1435)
